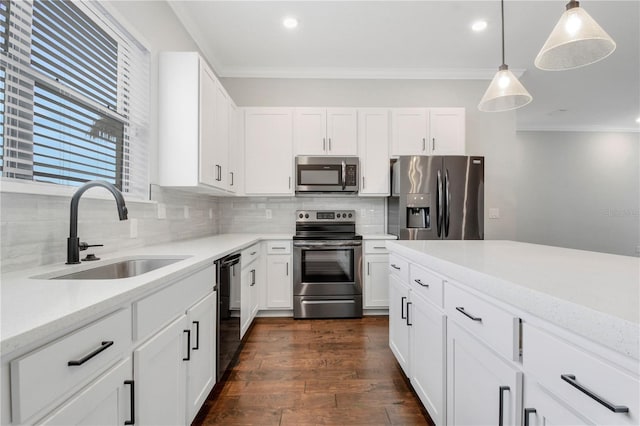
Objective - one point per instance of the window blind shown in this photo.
(75, 87)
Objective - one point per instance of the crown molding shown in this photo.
(366, 73)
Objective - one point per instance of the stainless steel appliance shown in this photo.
(228, 318)
(327, 265)
(326, 175)
(437, 197)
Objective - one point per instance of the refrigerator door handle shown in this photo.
(447, 206)
(439, 204)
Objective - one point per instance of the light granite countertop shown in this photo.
(34, 307)
(595, 295)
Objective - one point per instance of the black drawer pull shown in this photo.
(409, 323)
(395, 267)
(501, 406)
(421, 283)
(197, 346)
(103, 346)
(132, 421)
(468, 315)
(188, 358)
(527, 413)
(571, 379)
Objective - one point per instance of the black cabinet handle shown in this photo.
(395, 267)
(188, 358)
(468, 315)
(501, 407)
(527, 412)
(132, 420)
(402, 307)
(571, 379)
(287, 268)
(408, 322)
(253, 278)
(197, 346)
(421, 283)
(103, 346)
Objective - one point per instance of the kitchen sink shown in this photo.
(121, 269)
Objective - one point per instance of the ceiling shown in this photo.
(428, 40)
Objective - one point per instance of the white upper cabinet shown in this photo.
(322, 131)
(194, 124)
(373, 145)
(428, 131)
(268, 160)
(236, 151)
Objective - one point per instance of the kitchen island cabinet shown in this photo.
(520, 313)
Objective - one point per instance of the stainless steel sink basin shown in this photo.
(122, 269)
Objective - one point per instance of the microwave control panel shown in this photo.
(351, 175)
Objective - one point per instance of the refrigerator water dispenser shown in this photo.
(418, 211)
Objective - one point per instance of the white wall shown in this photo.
(491, 135)
(580, 190)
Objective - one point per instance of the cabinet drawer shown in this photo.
(549, 359)
(484, 320)
(250, 254)
(427, 284)
(399, 267)
(375, 246)
(278, 247)
(158, 309)
(45, 375)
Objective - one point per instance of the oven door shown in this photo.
(327, 267)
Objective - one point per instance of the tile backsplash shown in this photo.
(251, 214)
(35, 227)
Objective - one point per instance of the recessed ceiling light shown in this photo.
(638, 120)
(479, 26)
(290, 22)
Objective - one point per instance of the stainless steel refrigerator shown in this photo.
(437, 197)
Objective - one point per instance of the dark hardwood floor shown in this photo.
(315, 372)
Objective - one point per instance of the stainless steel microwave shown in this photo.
(326, 175)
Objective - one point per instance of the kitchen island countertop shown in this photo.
(595, 295)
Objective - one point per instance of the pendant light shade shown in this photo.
(505, 91)
(577, 40)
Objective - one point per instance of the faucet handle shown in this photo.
(84, 246)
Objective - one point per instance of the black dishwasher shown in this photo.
(228, 324)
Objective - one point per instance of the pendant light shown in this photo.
(577, 40)
(505, 91)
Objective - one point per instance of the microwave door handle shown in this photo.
(344, 175)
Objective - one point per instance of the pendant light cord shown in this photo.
(502, 11)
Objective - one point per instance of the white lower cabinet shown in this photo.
(375, 275)
(252, 279)
(482, 388)
(398, 326)
(428, 344)
(279, 279)
(159, 367)
(106, 401)
(201, 368)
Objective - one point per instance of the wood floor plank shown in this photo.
(314, 372)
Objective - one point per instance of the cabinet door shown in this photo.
(248, 296)
(482, 389)
(447, 131)
(279, 282)
(234, 183)
(541, 409)
(310, 132)
(201, 369)
(207, 156)
(106, 401)
(398, 328)
(409, 128)
(373, 145)
(376, 281)
(342, 131)
(428, 344)
(268, 151)
(221, 144)
(159, 371)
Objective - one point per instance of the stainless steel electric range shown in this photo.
(327, 265)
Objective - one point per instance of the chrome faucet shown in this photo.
(73, 242)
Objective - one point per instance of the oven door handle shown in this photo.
(319, 244)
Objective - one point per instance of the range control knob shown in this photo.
(350, 215)
(306, 216)
(300, 215)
